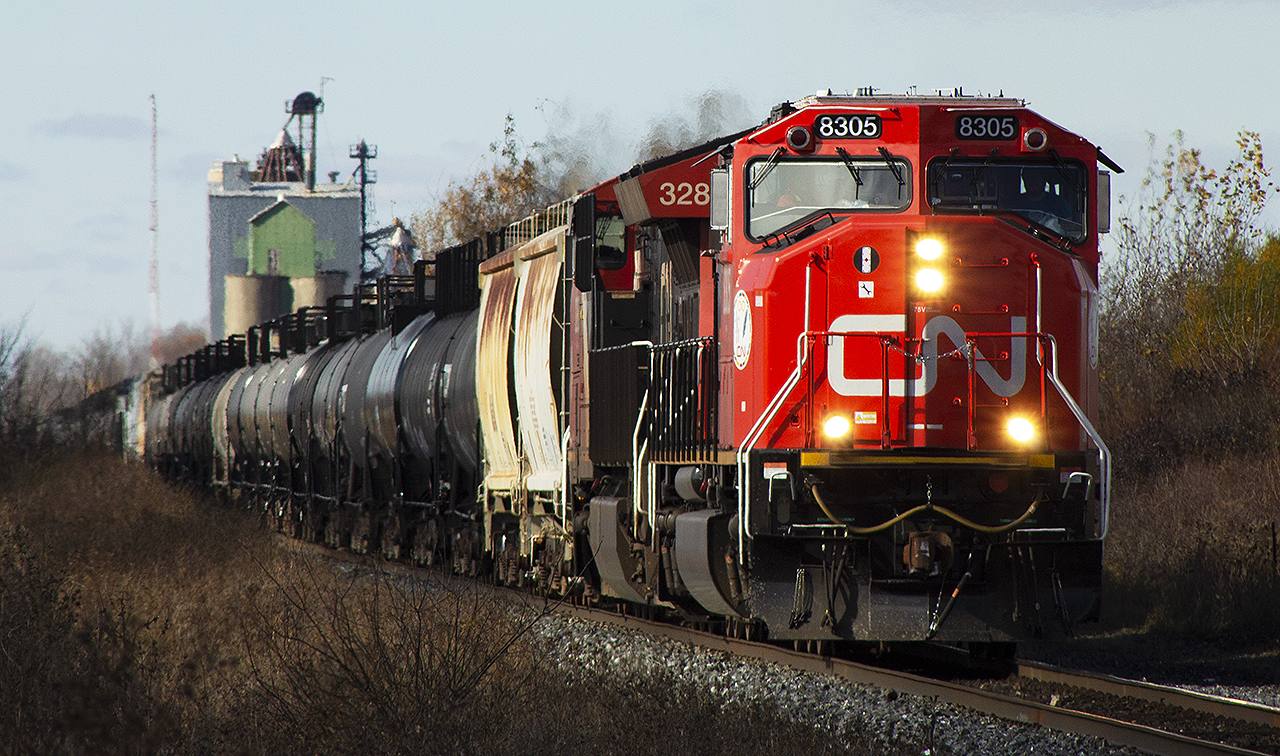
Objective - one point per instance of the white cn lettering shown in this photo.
(835, 352)
(937, 327)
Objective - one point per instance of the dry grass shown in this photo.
(139, 618)
(132, 589)
(1192, 551)
(366, 663)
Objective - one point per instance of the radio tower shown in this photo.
(154, 286)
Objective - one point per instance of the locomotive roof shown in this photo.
(861, 100)
(865, 100)
(685, 154)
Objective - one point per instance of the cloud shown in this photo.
(12, 172)
(98, 126)
(17, 260)
(110, 227)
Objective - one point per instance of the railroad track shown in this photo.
(1191, 723)
(1154, 718)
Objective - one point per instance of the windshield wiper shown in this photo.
(897, 172)
(1038, 230)
(800, 229)
(977, 175)
(1062, 169)
(853, 169)
(768, 167)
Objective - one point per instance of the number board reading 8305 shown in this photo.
(986, 126)
(848, 126)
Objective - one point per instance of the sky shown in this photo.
(430, 83)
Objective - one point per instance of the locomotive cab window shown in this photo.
(1047, 193)
(611, 242)
(782, 193)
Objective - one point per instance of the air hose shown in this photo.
(813, 488)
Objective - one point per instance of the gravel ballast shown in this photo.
(604, 654)
(1230, 670)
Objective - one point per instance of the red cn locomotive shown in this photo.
(870, 391)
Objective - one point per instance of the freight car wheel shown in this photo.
(392, 535)
(361, 533)
(424, 543)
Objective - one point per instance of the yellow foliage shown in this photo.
(1231, 322)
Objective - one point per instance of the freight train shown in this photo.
(832, 378)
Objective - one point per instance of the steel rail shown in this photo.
(1114, 731)
(1231, 708)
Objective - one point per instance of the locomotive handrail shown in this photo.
(757, 430)
(770, 410)
(1104, 453)
(888, 340)
(683, 406)
(1051, 372)
(638, 450)
(971, 350)
(802, 358)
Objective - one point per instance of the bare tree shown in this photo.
(512, 187)
(33, 383)
(109, 356)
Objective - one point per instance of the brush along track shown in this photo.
(1157, 719)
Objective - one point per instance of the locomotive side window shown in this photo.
(611, 243)
(782, 193)
(1047, 193)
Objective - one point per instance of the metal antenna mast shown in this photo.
(364, 152)
(154, 287)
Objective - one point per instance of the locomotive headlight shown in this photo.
(929, 280)
(836, 426)
(929, 248)
(1020, 429)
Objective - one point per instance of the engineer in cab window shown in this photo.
(1046, 199)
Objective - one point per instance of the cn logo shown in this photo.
(935, 331)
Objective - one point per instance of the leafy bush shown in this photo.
(1190, 337)
(1190, 389)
